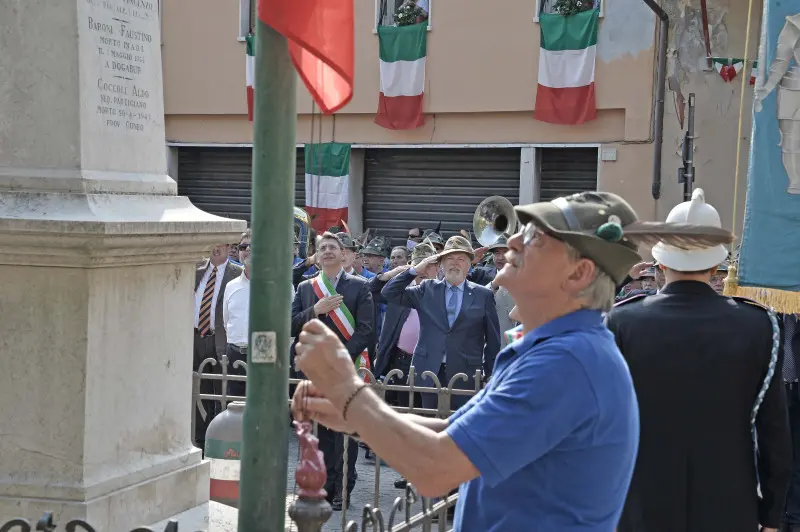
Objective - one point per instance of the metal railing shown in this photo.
(433, 514)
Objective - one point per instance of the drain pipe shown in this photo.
(661, 79)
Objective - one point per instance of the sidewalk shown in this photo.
(215, 517)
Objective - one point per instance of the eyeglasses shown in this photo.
(530, 233)
(243, 247)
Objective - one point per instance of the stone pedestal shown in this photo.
(97, 267)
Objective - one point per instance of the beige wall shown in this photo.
(717, 112)
(477, 64)
(481, 87)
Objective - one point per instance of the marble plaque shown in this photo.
(121, 96)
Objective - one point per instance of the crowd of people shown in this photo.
(373, 296)
(663, 410)
(618, 394)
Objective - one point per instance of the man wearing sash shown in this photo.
(549, 444)
(343, 302)
(702, 365)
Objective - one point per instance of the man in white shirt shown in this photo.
(235, 316)
(211, 277)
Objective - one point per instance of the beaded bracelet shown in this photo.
(350, 399)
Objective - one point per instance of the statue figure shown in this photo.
(785, 76)
(311, 473)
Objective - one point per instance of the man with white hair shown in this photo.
(699, 361)
(549, 444)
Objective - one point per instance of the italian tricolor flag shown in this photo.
(565, 93)
(327, 184)
(402, 54)
(250, 73)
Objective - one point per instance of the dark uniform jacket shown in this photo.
(698, 360)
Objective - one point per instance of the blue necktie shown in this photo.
(452, 305)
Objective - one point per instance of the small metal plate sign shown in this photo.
(263, 348)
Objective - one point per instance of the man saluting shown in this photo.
(549, 444)
(343, 302)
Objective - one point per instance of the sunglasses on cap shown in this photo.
(530, 233)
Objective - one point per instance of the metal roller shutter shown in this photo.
(565, 171)
(405, 188)
(217, 180)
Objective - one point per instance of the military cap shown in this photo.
(592, 223)
(347, 241)
(375, 247)
(421, 252)
(500, 243)
(457, 244)
(433, 237)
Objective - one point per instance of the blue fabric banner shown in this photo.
(770, 253)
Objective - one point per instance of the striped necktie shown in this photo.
(204, 323)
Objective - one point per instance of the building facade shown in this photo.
(480, 137)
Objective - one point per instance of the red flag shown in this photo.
(320, 34)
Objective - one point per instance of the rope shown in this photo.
(773, 362)
(741, 116)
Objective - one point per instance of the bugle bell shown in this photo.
(494, 217)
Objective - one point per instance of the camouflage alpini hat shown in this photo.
(421, 252)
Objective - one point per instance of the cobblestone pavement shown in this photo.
(364, 492)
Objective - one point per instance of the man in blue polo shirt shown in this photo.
(550, 443)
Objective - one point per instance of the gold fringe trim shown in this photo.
(781, 301)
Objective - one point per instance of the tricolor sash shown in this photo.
(342, 318)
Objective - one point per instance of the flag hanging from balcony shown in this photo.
(250, 73)
(327, 184)
(320, 34)
(565, 92)
(402, 51)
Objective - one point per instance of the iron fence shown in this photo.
(432, 515)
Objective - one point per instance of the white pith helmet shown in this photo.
(696, 212)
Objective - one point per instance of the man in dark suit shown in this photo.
(210, 340)
(342, 302)
(459, 332)
(699, 363)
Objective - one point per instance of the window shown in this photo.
(385, 10)
(546, 6)
(247, 18)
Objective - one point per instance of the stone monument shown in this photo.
(97, 268)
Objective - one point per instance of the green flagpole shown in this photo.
(262, 500)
